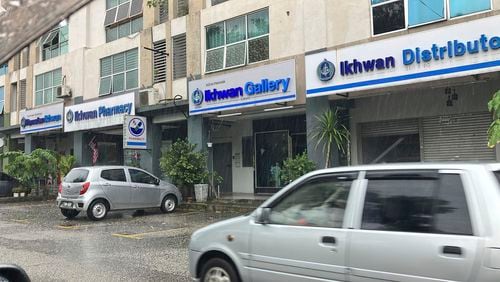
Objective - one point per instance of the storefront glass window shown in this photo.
(119, 72)
(425, 11)
(388, 16)
(464, 7)
(45, 86)
(238, 41)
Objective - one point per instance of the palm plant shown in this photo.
(329, 130)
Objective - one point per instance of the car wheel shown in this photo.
(217, 269)
(168, 204)
(97, 210)
(69, 214)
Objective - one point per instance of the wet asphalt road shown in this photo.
(122, 247)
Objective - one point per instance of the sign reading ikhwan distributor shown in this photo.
(451, 51)
(42, 118)
(99, 113)
(253, 87)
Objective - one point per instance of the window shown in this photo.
(3, 69)
(123, 29)
(389, 15)
(422, 202)
(120, 10)
(182, 8)
(55, 42)
(160, 61)
(319, 202)
(22, 94)
(45, 87)
(163, 11)
(215, 2)
(114, 175)
(138, 176)
(25, 56)
(13, 97)
(465, 7)
(237, 41)
(179, 49)
(76, 176)
(119, 72)
(2, 99)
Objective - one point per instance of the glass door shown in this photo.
(271, 149)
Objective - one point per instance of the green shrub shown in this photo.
(294, 168)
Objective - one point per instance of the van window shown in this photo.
(417, 204)
(318, 202)
(77, 175)
(114, 175)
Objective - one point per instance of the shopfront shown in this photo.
(254, 124)
(42, 128)
(98, 128)
(417, 97)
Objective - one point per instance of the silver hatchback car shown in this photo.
(97, 190)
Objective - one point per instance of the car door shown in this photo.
(306, 237)
(115, 186)
(413, 226)
(145, 190)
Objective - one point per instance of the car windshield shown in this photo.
(76, 176)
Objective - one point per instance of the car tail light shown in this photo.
(85, 187)
(60, 187)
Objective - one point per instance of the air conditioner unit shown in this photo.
(63, 91)
(148, 97)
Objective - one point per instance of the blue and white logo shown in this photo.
(325, 70)
(136, 127)
(69, 116)
(23, 122)
(197, 97)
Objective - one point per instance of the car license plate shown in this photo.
(66, 205)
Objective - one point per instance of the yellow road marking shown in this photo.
(139, 236)
(71, 227)
(128, 236)
(23, 221)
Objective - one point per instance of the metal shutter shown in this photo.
(457, 137)
(22, 94)
(163, 11)
(160, 62)
(179, 48)
(182, 8)
(391, 127)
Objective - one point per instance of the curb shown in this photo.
(27, 199)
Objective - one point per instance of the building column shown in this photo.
(150, 158)
(315, 107)
(80, 142)
(198, 132)
(29, 143)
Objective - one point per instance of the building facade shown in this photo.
(245, 81)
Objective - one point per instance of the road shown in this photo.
(122, 247)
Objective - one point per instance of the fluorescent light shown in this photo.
(278, 109)
(229, 115)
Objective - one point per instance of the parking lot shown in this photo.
(123, 247)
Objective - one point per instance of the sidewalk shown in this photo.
(30, 198)
(236, 202)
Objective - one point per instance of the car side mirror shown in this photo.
(263, 215)
(157, 181)
(13, 273)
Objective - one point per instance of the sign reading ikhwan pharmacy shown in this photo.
(253, 87)
(42, 118)
(99, 113)
(451, 51)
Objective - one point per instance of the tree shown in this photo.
(329, 130)
(494, 130)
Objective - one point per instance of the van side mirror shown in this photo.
(13, 273)
(262, 216)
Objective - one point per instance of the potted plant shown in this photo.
(17, 192)
(184, 166)
(295, 167)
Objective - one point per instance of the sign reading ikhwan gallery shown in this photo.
(99, 113)
(253, 87)
(451, 51)
(42, 118)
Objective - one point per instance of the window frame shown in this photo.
(54, 87)
(51, 48)
(156, 179)
(446, 16)
(127, 22)
(470, 198)
(108, 169)
(225, 45)
(124, 72)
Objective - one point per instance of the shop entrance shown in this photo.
(223, 165)
(271, 149)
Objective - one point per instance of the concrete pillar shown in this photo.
(29, 143)
(80, 151)
(150, 158)
(198, 132)
(315, 107)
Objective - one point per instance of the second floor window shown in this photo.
(237, 42)
(46, 87)
(392, 15)
(55, 42)
(3, 69)
(119, 72)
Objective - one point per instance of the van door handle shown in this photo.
(328, 240)
(452, 250)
